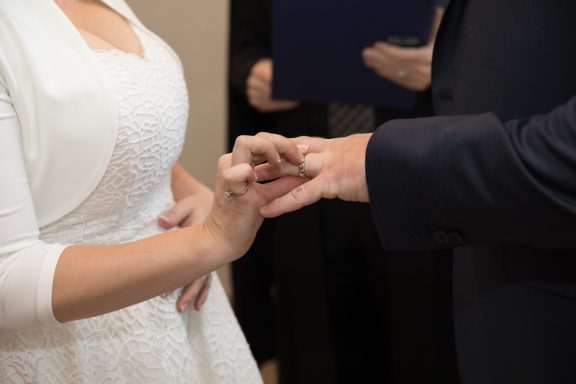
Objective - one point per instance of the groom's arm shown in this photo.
(452, 181)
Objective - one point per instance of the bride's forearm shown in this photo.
(91, 280)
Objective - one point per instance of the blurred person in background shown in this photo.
(342, 309)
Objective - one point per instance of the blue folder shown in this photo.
(317, 46)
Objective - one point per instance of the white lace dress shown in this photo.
(149, 342)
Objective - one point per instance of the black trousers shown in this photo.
(515, 316)
(280, 299)
(391, 312)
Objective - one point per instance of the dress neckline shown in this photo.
(140, 35)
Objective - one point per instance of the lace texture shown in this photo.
(148, 342)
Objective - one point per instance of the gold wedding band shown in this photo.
(230, 194)
(402, 73)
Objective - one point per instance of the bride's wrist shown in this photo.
(230, 238)
(217, 245)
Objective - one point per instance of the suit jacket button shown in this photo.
(446, 95)
(440, 237)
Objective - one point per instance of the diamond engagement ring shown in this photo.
(230, 194)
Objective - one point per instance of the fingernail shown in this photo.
(165, 217)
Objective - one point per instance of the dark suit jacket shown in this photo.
(499, 166)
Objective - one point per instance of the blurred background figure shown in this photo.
(339, 309)
(279, 290)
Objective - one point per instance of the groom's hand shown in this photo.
(334, 168)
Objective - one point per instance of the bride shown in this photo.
(93, 108)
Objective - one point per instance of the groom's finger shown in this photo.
(272, 190)
(315, 144)
(301, 196)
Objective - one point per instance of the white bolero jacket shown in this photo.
(65, 107)
(58, 125)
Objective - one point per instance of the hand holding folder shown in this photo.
(409, 68)
(317, 48)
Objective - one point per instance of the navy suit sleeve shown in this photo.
(467, 180)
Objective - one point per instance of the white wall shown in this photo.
(198, 31)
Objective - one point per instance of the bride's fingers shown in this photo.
(256, 159)
(247, 148)
(237, 177)
(309, 168)
(294, 158)
(265, 146)
(267, 171)
(203, 295)
(287, 148)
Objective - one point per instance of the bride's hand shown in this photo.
(190, 210)
(192, 202)
(235, 218)
(197, 292)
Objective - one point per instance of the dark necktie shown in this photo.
(346, 119)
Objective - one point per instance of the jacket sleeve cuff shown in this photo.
(394, 209)
(45, 285)
(26, 286)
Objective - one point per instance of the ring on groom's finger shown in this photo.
(302, 169)
(230, 194)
